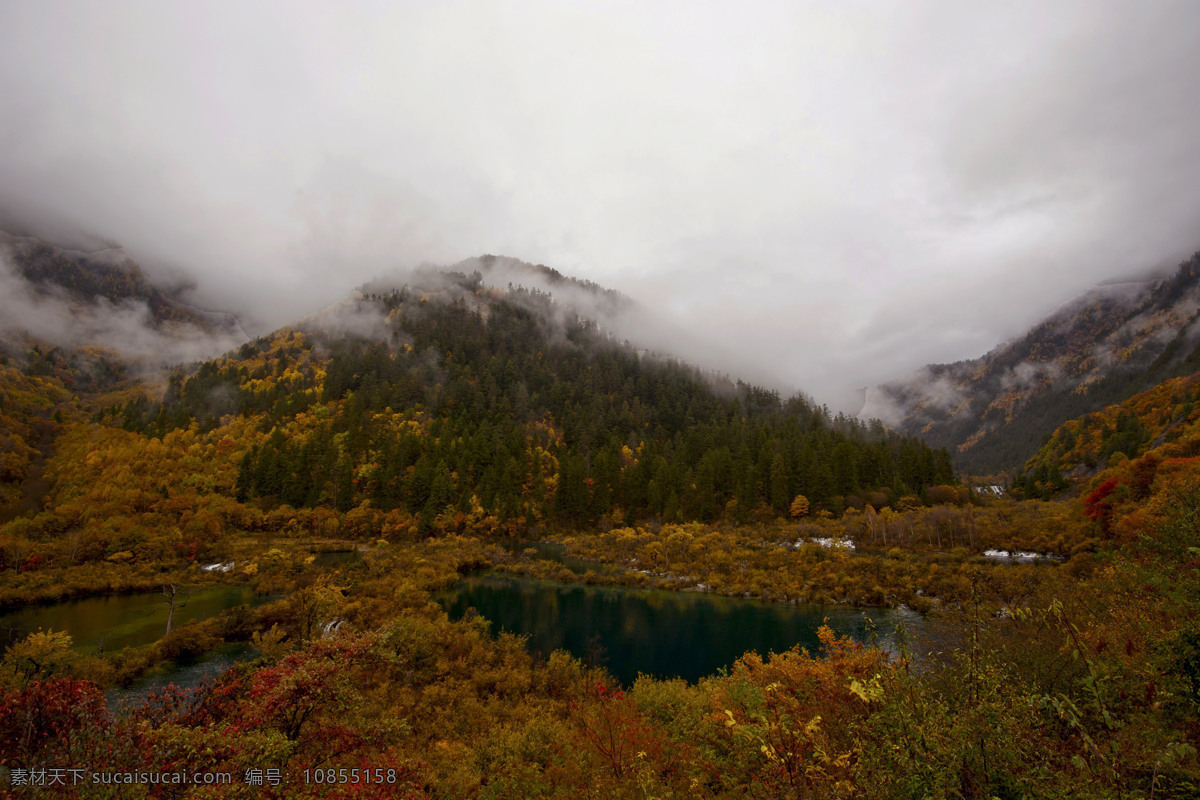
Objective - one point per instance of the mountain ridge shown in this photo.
(59, 305)
(109, 273)
(1096, 349)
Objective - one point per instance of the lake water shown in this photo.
(187, 673)
(661, 633)
(628, 631)
(122, 620)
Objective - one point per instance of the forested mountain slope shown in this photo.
(1161, 422)
(456, 400)
(74, 325)
(995, 411)
(407, 423)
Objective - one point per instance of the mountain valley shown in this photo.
(449, 422)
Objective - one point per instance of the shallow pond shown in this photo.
(125, 620)
(661, 633)
(187, 673)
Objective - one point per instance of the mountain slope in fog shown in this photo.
(54, 296)
(1098, 349)
(448, 399)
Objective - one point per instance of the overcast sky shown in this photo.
(839, 191)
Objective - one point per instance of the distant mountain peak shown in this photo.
(1097, 348)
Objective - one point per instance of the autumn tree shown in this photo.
(799, 507)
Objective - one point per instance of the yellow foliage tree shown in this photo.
(799, 507)
(41, 652)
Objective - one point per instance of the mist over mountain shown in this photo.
(102, 298)
(617, 315)
(362, 364)
(1099, 348)
(447, 394)
(826, 190)
(69, 288)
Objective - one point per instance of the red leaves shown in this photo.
(302, 695)
(1099, 507)
(49, 719)
(187, 550)
(615, 731)
(601, 690)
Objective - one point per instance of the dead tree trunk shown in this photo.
(173, 594)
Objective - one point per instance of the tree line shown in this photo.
(494, 404)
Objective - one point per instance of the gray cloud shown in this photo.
(127, 327)
(836, 193)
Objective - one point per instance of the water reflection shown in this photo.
(661, 633)
(120, 621)
(186, 673)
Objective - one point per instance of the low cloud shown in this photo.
(924, 390)
(1029, 375)
(50, 314)
(837, 193)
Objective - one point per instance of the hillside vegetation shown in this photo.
(1168, 414)
(994, 412)
(492, 405)
(421, 430)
